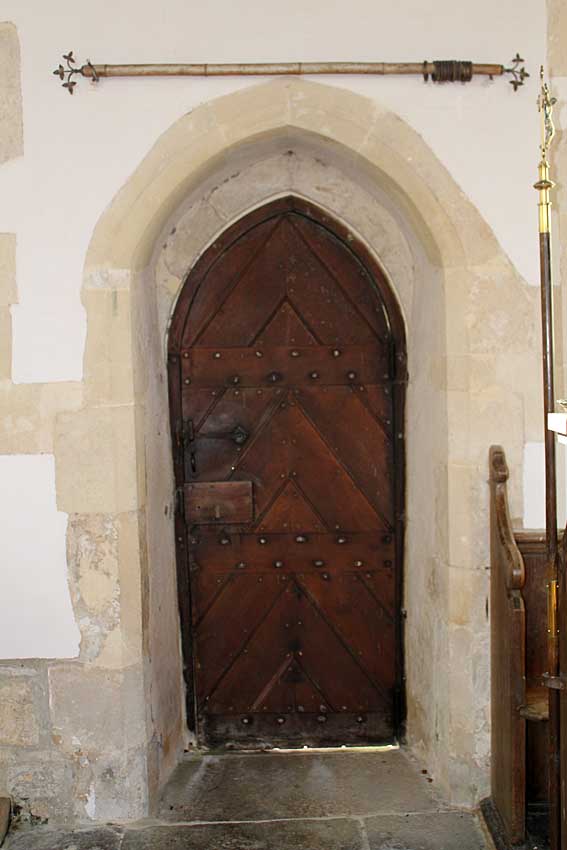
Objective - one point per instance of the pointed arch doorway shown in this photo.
(287, 377)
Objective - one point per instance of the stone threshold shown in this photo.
(441, 830)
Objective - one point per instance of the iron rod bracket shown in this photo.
(440, 71)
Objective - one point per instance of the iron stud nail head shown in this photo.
(319, 563)
(246, 720)
(224, 541)
(186, 355)
(321, 718)
(341, 540)
(351, 376)
(278, 564)
(359, 563)
(262, 541)
(336, 352)
(325, 576)
(314, 375)
(274, 377)
(187, 381)
(235, 379)
(301, 538)
(217, 355)
(259, 353)
(240, 565)
(295, 353)
(360, 719)
(281, 720)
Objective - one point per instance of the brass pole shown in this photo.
(543, 186)
(440, 71)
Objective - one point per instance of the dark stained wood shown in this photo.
(562, 698)
(508, 657)
(519, 659)
(287, 389)
(224, 502)
(532, 545)
(297, 366)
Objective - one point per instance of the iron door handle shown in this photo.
(238, 435)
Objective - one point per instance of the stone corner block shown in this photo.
(8, 292)
(95, 460)
(19, 723)
(12, 137)
(99, 712)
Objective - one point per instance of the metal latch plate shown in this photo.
(219, 502)
(556, 683)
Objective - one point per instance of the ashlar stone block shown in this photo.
(96, 711)
(8, 292)
(19, 726)
(12, 136)
(95, 460)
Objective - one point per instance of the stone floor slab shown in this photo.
(363, 800)
(259, 786)
(439, 831)
(291, 835)
(44, 838)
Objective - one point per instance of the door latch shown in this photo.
(238, 435)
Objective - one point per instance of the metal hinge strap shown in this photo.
(556, 683)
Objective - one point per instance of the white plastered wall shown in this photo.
(78, 151)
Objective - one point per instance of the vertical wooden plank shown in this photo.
(508, 657)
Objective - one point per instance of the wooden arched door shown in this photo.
(286, 375)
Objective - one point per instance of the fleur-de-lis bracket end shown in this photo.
(66, 74)
(518, 72)
(545, 104)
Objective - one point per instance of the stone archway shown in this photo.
(370, 170)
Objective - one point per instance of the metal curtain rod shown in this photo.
(440, 71)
